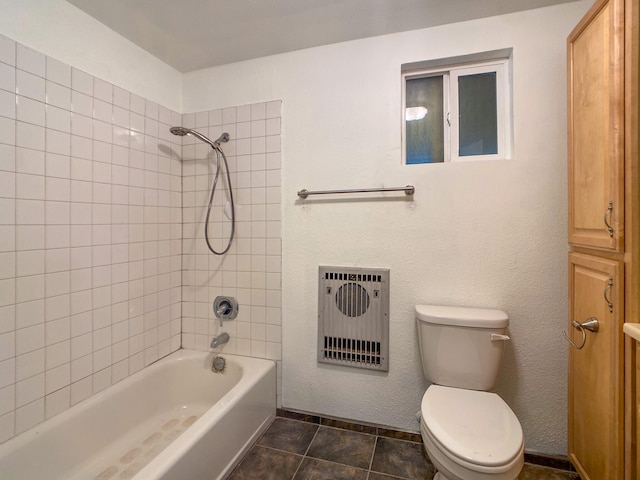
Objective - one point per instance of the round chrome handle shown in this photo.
(590, 324)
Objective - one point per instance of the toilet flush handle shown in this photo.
(496, 337)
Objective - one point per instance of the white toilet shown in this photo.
(468, 433)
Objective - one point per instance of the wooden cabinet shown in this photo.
(596, 380)
(604, 240)
(596, 117)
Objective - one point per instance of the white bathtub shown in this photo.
(176, 419)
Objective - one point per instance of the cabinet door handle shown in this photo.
(607, 218)
(590, 324)
(605, 294)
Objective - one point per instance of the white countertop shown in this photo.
(632, 329)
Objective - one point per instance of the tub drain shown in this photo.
(218, 365)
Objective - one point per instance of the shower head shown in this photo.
(182, 131)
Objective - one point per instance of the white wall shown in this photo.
(486, 234)
(62, 31)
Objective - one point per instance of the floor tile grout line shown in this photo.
(373, 454)
(305, 452)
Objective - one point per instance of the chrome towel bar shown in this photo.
(408, 190)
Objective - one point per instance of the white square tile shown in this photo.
(58, 95)
(29, 415)
(81, 81)
(151, 110)
(273, 109)
(30, 364)
(81, 125)
(258, 111)
(58, 236)
(102, 151)
(120, 117)
(57, 284)
(102, 110)
(81, 367)
(29, 85)
(80, 214)
(30, 136)
(29, 262)
(57, 260)
(29, 288)
(7, 131)
(137, 104)
(102, 90)
(57, 402)
(58, 142)
(30, 60)
(29, 186)
(29, 339)
(81, 104)
(29, 389)
(7, 265)
(102, 131)
(57, 213)
(30, 237)
(272, 126)
(29, 212)
(8, 157)
(58, 330)
(7, 104)
(121, 97)
(58, 119)
(7, 424)
(7, 78)
(7, 50)
(58, 189)
(7, 184)
(57, 378)
(81, 148)
(215, 118)
(7, 399)
(29, 161)
(58, 72)
(58, 354)
(81, 390)
(7, 292)
(7, 238)
(7, 322)
(7, 345)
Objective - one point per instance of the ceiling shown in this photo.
(194, 34)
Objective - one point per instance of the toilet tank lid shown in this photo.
(462, 316)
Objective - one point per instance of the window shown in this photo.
(458, 113)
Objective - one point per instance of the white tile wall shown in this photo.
(90, 236)
(251, 270)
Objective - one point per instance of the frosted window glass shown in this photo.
(424, 136)
(477, 95)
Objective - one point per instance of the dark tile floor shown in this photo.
(297, 450)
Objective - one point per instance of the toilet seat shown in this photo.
(476, 428)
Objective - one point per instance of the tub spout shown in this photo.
(220, 340)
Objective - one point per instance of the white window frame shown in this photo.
(450, 74)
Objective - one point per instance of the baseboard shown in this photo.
(553, 461)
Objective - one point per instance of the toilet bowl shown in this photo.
(468, 432)
(470, 435)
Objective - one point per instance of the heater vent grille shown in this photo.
(353, 317)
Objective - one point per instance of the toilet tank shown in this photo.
(461, 347)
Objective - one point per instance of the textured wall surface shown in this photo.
(483, 234)
(90, 235)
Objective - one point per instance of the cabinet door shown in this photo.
(596, 127)
(596, 370)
